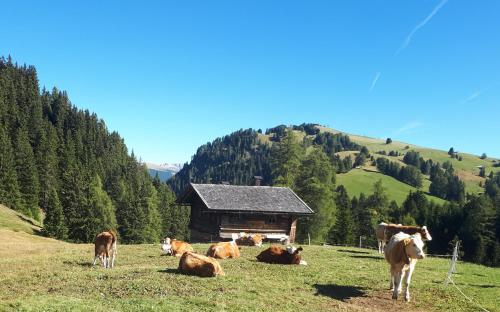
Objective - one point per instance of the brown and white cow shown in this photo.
(224, 250)
(385, 231)
(392, 229)
(276, 254)
(402, 252)
(104, 245)
(245, 239)
(195, 264)
(175, 247)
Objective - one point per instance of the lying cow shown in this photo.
(104, 245)
(195, 264)
(276, 254)
(402, 253)
(175, 247)
(250, 239)
(224, 250)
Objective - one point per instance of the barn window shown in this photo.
(272, 219)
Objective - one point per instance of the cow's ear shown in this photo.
(299, 249)
(407, 241)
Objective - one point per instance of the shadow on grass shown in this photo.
(171, 271)
(483, 286)
(339, 292)
(353, 251)
(367, 257)
(82, 263)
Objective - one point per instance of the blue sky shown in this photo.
(170, 76)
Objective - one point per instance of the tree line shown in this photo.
(62, 165)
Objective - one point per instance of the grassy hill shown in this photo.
(15, 221)
(467, 169)
(359, 181)
(39, 274)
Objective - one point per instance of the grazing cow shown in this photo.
(276, 254)
(224, 250)
(402, 253)
(195, 264)
(175, 247)
(250, 239)
(105, 244)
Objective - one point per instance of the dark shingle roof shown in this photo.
(250, 198)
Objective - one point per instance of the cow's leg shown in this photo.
(95, 260)
(383, 247)
(409, 272)
(113, 256)
(397, 284)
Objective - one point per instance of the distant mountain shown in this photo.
(165, 171)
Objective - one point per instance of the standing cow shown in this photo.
(402, 253)
(104, 245)
(385, 231)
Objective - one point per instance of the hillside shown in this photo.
(15, 221)
(359, 181)
(199, 170)
(51, 275)
(467, 169)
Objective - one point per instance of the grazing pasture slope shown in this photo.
(37, 274)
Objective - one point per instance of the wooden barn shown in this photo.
(218, 210)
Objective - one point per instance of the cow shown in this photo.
(250, 239)
(402, 252)
(385, 231)
(104, 245)
(278, 255)
(196, 264)
(175, 247)
(380, 234)
(224, 250)
(392, 229)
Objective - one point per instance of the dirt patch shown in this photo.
(381, 301)
(469, 176)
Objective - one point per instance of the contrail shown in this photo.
(420, 25)
(374, 82)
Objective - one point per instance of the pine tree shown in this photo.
(53, 224)
(27, 174)
(343, 230)
(9, 187)
(285, 160)
(314, 185)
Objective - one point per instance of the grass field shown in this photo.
(40, 274)
(357, 181)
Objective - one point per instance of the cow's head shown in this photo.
(294, 255)
(425, 234)
(257, 239)
(166, 246)
(414, 247)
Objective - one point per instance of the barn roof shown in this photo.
(219, 197)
